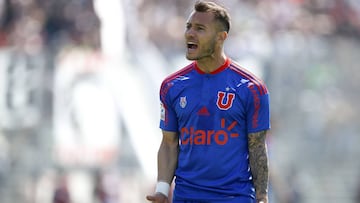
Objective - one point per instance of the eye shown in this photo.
(200, 28)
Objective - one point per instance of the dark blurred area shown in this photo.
(69, 132)
(49, 23)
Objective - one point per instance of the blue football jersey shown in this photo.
(213, 114)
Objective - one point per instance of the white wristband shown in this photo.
(163, 188)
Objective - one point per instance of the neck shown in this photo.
(210, 64)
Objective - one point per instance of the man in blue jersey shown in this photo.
(214, 118)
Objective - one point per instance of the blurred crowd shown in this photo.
(323, 18)
(39, 22)
(305, 50)
(36, 24)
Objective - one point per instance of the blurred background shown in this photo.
(79, 83)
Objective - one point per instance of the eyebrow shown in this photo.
(196, 24)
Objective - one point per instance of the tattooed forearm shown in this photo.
(259, 163)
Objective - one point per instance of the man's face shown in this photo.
(200, 35)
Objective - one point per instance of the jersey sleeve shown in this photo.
(168, 119)
(258, 109)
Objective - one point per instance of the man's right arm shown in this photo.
(168, 156)
(167, 162)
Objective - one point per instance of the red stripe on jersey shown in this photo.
(165, 86)
(251, 77)
(218, 70)
(183, 71)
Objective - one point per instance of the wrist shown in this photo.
(163, 188)
(262, 198)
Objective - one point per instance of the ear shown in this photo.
(222, 35)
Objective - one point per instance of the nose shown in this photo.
(189, 32)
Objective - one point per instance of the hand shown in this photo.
(157, 198)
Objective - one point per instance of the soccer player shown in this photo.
(214, 119)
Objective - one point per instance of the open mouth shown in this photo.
(192, 46)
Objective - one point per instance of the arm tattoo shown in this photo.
(259, 163)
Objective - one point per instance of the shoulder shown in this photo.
(178, 75)
(253, 83)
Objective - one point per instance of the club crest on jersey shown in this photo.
(183, 102)
(225, 103)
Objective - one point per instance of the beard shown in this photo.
(203, 52)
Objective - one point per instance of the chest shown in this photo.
(209, 96)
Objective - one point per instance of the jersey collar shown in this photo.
(218, 70)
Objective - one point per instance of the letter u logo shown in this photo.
(222, 103)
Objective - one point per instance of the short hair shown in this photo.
(219, 11)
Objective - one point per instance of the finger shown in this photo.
(150, 198)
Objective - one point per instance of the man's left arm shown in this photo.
(259, 165)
